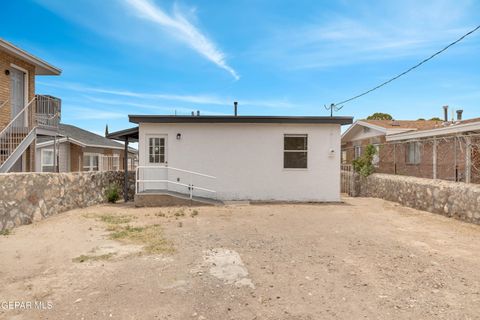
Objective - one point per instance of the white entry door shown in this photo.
(156, 156)
(17, 95)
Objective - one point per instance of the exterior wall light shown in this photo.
(179, 136)
(7, 72)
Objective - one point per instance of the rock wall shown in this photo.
(453, 199)
(28, 197)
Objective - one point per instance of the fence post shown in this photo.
(434, 158)
(394, 158)
(468, 159)
(455, 160)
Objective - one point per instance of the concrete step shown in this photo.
(164, 198)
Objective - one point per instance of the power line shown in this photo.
(407, 71)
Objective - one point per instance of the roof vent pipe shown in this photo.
(235, 108)
(193, 113)
(459, 115)
(198, 113)
(445, 113)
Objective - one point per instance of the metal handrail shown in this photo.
(190, 187)
(16, 117)
(14, 133)
(180, 184)
(4, 104)
(180, 170)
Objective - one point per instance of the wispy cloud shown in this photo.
(142, 23)
(376, 33)
(178, 25)
(196, 99)
(148, 100)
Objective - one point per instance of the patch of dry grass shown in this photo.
(110, 218)
(84, 258)
(116, 219)
(151, 237)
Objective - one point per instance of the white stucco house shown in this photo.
(256, 158)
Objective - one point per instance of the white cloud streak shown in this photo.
(144, 99)
(178, 25)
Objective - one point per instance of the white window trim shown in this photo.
(90, 166)
(417, 158)
(165, 155)
(116, 162)
(355, 155)
(376, 156)
(283, 153)
(42, 159)
(26, 89)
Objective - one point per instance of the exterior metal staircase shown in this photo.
(41, 113)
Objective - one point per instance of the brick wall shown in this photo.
(76, 158)
(6, 62)
(450, 161)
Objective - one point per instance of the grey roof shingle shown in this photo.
(83, 136)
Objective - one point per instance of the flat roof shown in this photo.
(41, 67)
(239, 119)
(131, 134)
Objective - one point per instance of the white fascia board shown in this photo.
(363, 124)
(50, 142)
(448, 130)
(60, 140)
(42, 67)
(391, 131)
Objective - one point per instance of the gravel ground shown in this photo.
(366, 258)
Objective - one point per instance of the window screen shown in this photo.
(295, 148)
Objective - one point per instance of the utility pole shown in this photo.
(333, 107)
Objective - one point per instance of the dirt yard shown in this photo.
(366, 258)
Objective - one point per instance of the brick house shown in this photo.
(77, 149)
(447, 150)
(24, 116)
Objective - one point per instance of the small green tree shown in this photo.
(380, 116)
(436, 119)
(112, 193)
(364, 164)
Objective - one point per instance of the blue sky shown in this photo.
(274, 57)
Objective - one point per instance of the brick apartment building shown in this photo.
(24, 116)
(448, 150)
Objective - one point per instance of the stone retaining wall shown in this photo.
(28, 197)
(453, 199)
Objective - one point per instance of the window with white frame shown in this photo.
(116, 162)
(358, 151)
(90, 161)
(376, 156)
(48, 160)
(156, 150)
(295, 151)
(413, 153)
(344, 156)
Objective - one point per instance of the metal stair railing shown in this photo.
(16, 131)
(141, 178)
(47, 111)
